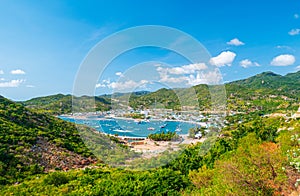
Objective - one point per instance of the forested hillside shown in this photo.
(252, 155)
(268, 92)
(62, 104)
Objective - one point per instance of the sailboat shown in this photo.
(151, 128)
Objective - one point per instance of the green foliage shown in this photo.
(195, 130)
(62, 104)
(253, 169)
(164, 136)
(253, 155)
(20, 130)
(246, 163)
(103, 181)
(56, 179)
(266, 92)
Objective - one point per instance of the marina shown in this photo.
(132, 128)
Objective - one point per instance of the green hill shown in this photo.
(62, 104)
(266, 92)
(252, 155)
(33, 142)
(273, 83)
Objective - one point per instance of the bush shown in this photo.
(56, 179)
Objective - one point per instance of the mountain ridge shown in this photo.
(262, 84)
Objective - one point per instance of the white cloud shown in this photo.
(192, 74)
(17, 72)
(225, 58)
(2, 79)
(1, 72)
(30, 86)
(103, 84)
(127, 85)
(99, 85)
(235, 42)
(12, 83)
(212, 77)
(283, 60)
(247, 63)
(185, 69)
(294, 32)
(298, 68)
(284, 47)
(167, 79)
(119, 74)
(296, 16)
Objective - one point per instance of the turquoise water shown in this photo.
(132, 128)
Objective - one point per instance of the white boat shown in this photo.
(163, 126)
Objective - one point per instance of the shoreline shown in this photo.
(148, 148)
(86, 117)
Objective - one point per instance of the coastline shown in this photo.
(86, 117)
(147, 147)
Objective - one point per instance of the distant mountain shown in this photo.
(251, 89)
(136, 93)
(288, 84)
(254, 91)
(62, 104)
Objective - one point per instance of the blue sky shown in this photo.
(44, 42)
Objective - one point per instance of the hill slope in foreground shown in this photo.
(32, 142)
(252, 155)
(259, 156)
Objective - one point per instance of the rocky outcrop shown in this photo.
(52, 157)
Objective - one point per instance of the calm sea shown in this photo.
(132, 128)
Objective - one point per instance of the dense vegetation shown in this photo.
(164, 136)
(266, 91)
(254, 154)
(33, 142)
(62, 104)
(253, 159)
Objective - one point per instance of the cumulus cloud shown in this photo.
(235, 42)
(103, 84)
(185, 69)
(247, 63)
(119, 74)
(168, 79)
(99, 85)
(12, 83)
(225, 58)
(298, 68)
(1, 72)
(2, 79)
(127, 85)
(17, 72)
(211, 77)
(294, 32)
(283, 60)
